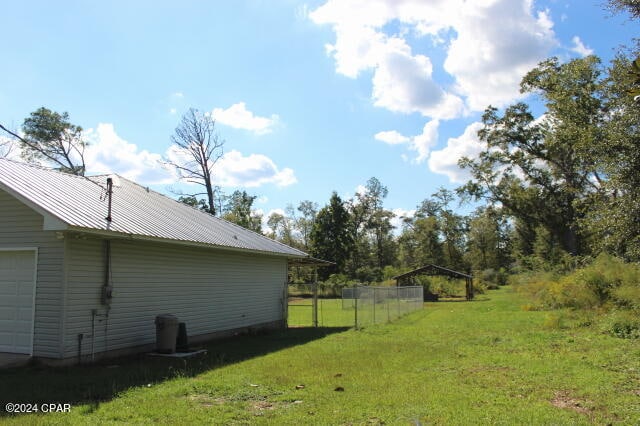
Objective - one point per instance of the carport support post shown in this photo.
(315, 297)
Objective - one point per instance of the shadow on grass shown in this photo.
(461, 299)
(103, 381)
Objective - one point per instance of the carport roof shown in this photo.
(431, 269)
(76, 203)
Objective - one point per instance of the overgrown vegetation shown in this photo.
(607, 289)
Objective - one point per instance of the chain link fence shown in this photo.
(373, 305)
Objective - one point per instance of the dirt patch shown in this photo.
(562, 399)
(207, 400)
(262, 406)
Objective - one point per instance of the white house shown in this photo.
(73, 283)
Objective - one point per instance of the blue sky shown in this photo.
(311, 97)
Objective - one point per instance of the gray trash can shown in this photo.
(166, 333)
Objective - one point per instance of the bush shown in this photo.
(492, 279)
(369, 275)
(607, 281)
(624, 324)
(333, 285)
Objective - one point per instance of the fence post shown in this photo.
(355, 298)
(387, 302)
(374, 305)
(315, 297)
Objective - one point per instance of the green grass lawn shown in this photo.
(480, 362)
(330, 313)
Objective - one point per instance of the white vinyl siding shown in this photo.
(209, 290)
(20, 227)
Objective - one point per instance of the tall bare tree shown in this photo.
(198, 148)
(50, 137)
(6, 146)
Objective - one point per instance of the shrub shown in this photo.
(334, 284)
(622, 323)
(607, 281)
(554, 321)
(492, 279)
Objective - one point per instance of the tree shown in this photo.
(6, 147)
(304, 224)
(238, 210)
(452, 227)
(371, 228)
(331, 237)
(50, 137)
(613, 220)
(487, 244)
(282, 226)
(192, 201)
(419, 243)
(630, 6)
(545, 172)
(196, 149)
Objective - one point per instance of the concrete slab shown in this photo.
(179, 354)
(8, 360)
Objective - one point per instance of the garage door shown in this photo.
(17, 290)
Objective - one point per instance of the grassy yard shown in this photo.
(481, 362)
(330, 313)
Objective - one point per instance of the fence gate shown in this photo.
(302, 305)
(302, 299)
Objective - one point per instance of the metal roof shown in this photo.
(137, 212)
(431, 269)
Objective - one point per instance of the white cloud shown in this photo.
(109, 153)
(239, 117)
(497, 43)
(421, 143)
(403, 82)
(580, 48)
(400, 214)
(488, 46)
(237, 170)
(445, 160)
(278, 211)
(173, 111)
(391, 137)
